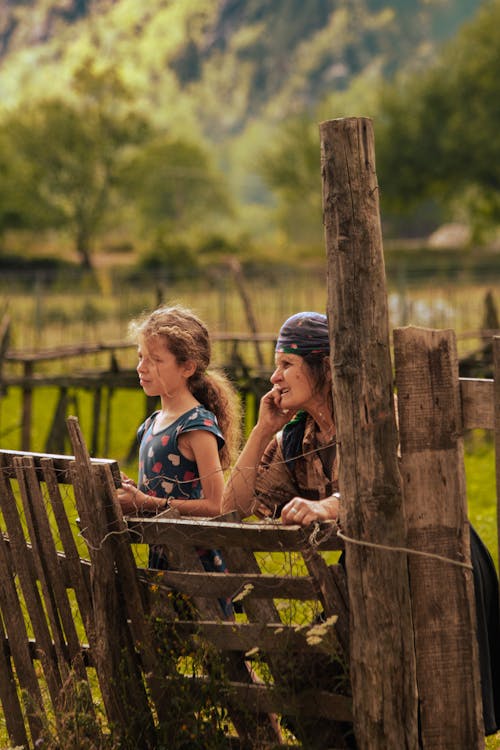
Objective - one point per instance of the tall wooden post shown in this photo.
(381, 635)
(496, 371)
(432, 466)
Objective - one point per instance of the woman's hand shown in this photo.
(304, 512)
(271, 416)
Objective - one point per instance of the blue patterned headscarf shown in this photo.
(304, 333)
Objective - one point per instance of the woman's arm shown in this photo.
(302, 511)
(240, 487)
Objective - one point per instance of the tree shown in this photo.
(291, 169)
(437, 136)
(175, 186)
(71, 155)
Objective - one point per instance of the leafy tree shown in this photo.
(291, 169)
(175, 186)
(70, 155)
(437, 136)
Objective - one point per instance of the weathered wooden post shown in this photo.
(381, 634)
(496, 371)
(442, 592)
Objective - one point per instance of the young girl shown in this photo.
(187, 444)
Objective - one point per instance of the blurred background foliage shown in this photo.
(185, 130)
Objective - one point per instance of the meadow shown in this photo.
(97, 311)
(45, 317)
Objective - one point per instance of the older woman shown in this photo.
(288, 466)
(288, 469)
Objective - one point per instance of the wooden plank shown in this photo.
(255, 636)
(263, 586)
(125, 699)
(477, 397)
(25, 570)
(257, 698)
(14, 622)
(496, 370)
(430, 421)
(264, 537)
(381, 636)
(62, 465)
(127, 581)
(57, 605)
(332, 593)
(9, 698)
(77, 573)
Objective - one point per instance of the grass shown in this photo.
(92, 318)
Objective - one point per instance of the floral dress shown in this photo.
(165, 472)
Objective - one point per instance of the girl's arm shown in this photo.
(201, 447)
(240, 488)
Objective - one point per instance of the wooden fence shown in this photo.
(70, 372)
(390, 659)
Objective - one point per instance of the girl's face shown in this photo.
(293, 379)
(159, 372)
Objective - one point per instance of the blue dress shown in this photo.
(164, 472)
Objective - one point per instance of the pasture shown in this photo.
(47, 315)
(45, 319)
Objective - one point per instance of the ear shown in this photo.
(189, 368)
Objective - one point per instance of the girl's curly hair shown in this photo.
(187, 338)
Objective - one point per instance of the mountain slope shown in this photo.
(213, 66)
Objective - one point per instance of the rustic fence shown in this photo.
(247, 359)
(392, 657)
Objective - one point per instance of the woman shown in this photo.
(288, 468)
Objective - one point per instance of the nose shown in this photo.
(276, 376)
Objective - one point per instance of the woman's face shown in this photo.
(293, 379)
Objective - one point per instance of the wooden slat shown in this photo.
(332, 592)
(265, 537)
(14, 622)
(61, 465)
(125, 699)
(477, 397)
(240, 636)
(9, 697)
(435, 503)
(25, 570)
(54, 592)
(257, 698)
(263, 586)
(77, 572)
(496, 365)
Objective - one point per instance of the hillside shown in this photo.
(215, 66)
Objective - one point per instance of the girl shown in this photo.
(187, 444)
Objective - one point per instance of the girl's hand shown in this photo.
(130, 498)
(127, 480)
